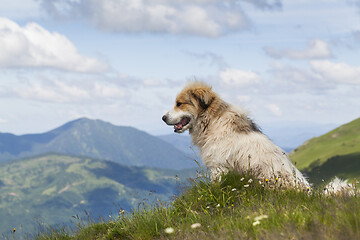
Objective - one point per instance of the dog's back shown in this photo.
(232, 141)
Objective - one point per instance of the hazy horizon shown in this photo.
(124, 62)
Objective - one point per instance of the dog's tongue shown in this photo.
(180, 125)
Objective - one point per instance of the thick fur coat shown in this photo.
(228, 139)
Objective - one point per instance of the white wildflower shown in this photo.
(247, 185)
(242, 179)
(169, 230)
(256, 223)
(195, 225)
(234, 189)
(258, 218)
(250, 180)
(218, 205)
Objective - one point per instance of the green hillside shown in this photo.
(97, 139)
(335, 153)
(229, 209)
(53, 188)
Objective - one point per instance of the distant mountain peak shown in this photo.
(75, 123)
(97, 139)
(80, 120)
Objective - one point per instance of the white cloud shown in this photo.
(264, 4)
(316, 49)
(108, 91)
(321, 77)
(152, 82)
(34, 46)
(210, 18)
(3, 121)
(56, 91)
(337, 72)
(66, 91)
(295, 79)
(243, 98)
(274, 109)
(236, 77)
(214, 59)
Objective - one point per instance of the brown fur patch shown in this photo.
(244, 124)
(209, 107)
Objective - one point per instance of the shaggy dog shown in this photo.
(228, 139)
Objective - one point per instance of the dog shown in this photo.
(228, 139)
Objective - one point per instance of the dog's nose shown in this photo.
(164, 118)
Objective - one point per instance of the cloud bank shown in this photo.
(239, 78)
(59, 88)
(316, 49)
(337, 72)
(34, 46)
(208, 18)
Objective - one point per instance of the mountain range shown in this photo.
(97, 167)
(97, 139)
(53, 188)
(84, 165)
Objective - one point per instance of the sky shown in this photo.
(124, 61)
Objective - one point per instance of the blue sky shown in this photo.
(286, 61)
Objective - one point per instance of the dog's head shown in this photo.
(195, 98)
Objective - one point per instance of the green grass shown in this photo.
(344, 166)
(229, 209)
(344, 140)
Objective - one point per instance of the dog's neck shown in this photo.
(205, 121)
(220, 116)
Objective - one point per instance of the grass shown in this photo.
(344, 140)
(343, 166)
(237, 207)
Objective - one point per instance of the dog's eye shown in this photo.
(178, 104)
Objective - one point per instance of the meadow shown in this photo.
(236, 207)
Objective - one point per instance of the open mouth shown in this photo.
(180, 125)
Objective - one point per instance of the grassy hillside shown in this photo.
(97, 139)
(52, 188)
(345, 167)
(229, 209)
(337, 152)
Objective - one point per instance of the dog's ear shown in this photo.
(203, 96)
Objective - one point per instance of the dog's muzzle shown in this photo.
(180, 126)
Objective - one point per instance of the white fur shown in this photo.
(339, 186)
(229, 141)
(223, 149)
(175, 116)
